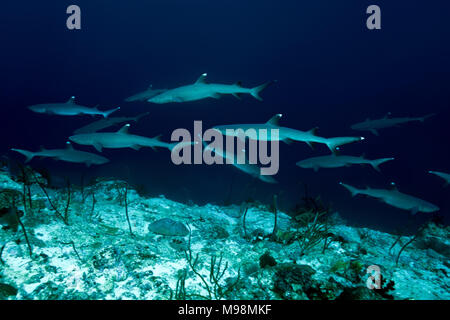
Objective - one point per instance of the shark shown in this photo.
(145, 95)
(69, 154)
(248, 168)
(445, 176)
(386, 122)
(108, 122)
(122, 139)
(336, 161)
(395, 199)
(202, 90)
(287, 135)
(69, 108)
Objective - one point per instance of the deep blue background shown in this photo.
(331, 72)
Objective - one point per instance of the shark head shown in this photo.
(162, 98)
(82, 139)
(38, 108)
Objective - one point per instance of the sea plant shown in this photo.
(214, 285)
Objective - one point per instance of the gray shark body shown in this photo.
(120, 139)
(333, 161)
(250, 169)
(145, 95)
(443, 175)
(106, 123)
(68, 155)
(202, 90)
(254, 132)
(395, 198)
(374, 125)
(69, 108)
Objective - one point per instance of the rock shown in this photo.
(439, 245)
(358, 293)
(292, 277)
(6, 291)
(168, 227)
(267, 260)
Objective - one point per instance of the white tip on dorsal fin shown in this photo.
(124, 129)
(202, 78)
(274, 121)
(71, 100)
(69, 145)
(387, 115)
(150, 86)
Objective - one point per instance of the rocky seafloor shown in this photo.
(86, 249)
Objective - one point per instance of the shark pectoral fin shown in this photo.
(216, 96)
(310, 144)
(414, 210)
(375, 132)
(136, 147)
(98, 147)
(237, 96)
(288, 141)
(316, 168)
(88, 164)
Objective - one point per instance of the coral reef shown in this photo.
(186, 251)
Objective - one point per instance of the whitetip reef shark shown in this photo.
(443, 175)
(68, 155)
(145, 95)
(69, 108)
(394, 198)
(337, 161)
(285, 134)
(107, 122)
(203, 90)
(386, 122)
(122, 139)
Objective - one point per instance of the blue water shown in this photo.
(331, 72)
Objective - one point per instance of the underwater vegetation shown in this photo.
(105, 241)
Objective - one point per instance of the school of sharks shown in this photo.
(99, 136)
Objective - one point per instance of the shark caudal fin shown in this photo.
(334, 143)
(257, 90)
(106, 114)
(352, 190)
(29, 155)
(376, 163)
(427, 116)
(267, 179)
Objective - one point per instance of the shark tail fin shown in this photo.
(28, 154)
(257, 90)
(352, 190)
(267, 179)
(427, 116)
(376, 163)
(334, 143)
(106, 114)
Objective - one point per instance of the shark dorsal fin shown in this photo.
(150, 86)
(71, 100)
(313, 131)
(69, 146)
(274, 121)
(388, 115)
(239, 84)
(42, 148)
(202, 79)
(124, 129)
(158, 137)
